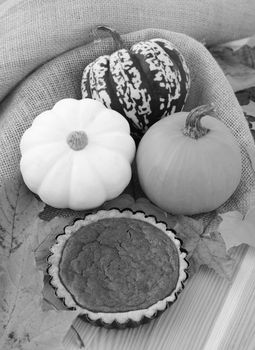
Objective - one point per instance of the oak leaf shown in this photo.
(203, 247)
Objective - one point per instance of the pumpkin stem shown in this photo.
(193, 127)
(77, 140)
(115, 35)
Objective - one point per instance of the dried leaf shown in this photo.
(249, 112)
(251, 41)
(121, 202)
(237, 44)
(189, 230)
(50, 300)
(126, 201)
(246, 55)
(143, 204)
(249, 109)
(237, 229)
(24, 325)
(211, 251)
(21, 286)
(204, 248)
(50, 330)
(251, 152)
(18, 208)
(239, 75)
(245, 96)
(45, 233)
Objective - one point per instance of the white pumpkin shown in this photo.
(77, 155)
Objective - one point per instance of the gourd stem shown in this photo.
(115, 35)
(193, 127)
(77, 140)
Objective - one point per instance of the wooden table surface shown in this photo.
(210, 314)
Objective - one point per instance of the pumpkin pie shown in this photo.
(118, 268)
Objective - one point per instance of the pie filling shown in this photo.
(119, 265)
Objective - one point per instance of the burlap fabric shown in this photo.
(35, 31)
(61, 78)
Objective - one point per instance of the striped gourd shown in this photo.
(144, 83)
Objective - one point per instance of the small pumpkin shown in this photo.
(144, 83)
(77, 155)
(189, 163)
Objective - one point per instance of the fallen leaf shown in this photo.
(18, 208)
(235, 44)
(121, 202)
(126, 201)
(211, 251)
(203, 247)
(50, 301)
(245, 96)
(246, 55)
(45, 233)
(21, 286)
(189, 230)
(249, 109)
(251, 41)
(143, 204)
(237, 229)
(24, 325)
(251, 153)
(50, 331)
(43, 330)
(252, 125)
(239, 74)
(15, 263)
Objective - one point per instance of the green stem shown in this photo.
(77, 140)
(115, 35)
(193, 127)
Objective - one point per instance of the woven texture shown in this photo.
(61, 78)
(34, 31)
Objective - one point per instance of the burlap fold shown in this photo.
(35, 31)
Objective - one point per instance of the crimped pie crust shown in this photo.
(107, 317)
